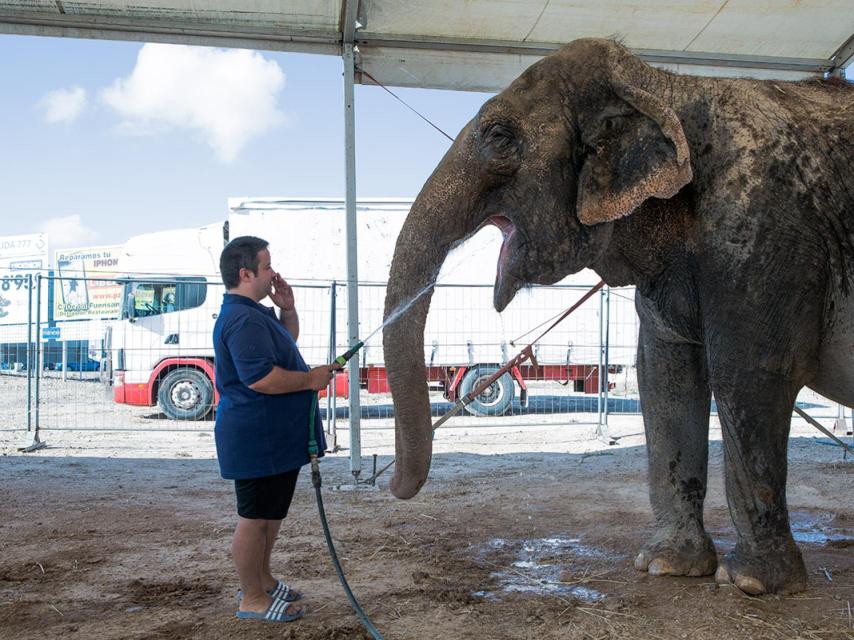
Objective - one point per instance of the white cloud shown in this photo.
(68, 231)
(226, 96)
(63, 105)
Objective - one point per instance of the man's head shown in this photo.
(245, 267)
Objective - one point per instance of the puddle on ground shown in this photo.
(541, 567)
(815, 529)
(807, 528)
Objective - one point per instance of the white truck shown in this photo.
(162, 351)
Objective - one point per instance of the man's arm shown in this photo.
(284, 381)
(290, 321)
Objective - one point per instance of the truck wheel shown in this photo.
(496, 399)
(185, 394)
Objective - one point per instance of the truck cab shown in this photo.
(161, 349)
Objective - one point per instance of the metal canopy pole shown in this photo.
(352, 262)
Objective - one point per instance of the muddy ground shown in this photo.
(519, 534)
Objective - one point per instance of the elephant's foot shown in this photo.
(678, 554)
(779, 571)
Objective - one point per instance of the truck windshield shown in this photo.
(155, 298)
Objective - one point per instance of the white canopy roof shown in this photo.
(476, 44)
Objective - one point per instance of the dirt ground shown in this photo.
(520, 533)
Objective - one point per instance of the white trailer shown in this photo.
(162, 350)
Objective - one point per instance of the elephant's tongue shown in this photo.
(506, 284)
(508, 229)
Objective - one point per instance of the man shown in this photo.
(266, 391)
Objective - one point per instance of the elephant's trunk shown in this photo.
(432, 228)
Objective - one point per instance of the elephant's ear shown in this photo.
(638, 151)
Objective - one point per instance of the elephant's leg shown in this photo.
(675, 393)
(755, 410)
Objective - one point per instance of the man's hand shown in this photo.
(283, 381)
(281, 293)
(319, 377)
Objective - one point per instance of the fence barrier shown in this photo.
(83, 353)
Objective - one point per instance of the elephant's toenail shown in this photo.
(722, 575)
(641, 563)
(750, 585)
(660, 567)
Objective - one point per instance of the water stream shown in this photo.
(404, 306)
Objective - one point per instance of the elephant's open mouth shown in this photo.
(506, 284)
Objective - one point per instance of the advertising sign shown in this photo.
(20, 257)
(51, 333)
(85, 288)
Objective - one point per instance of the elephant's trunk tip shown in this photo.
(405, 487)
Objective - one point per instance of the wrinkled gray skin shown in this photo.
(729, 203)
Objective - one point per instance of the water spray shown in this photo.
(401, 309)
(345, 357)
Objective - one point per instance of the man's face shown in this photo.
(262, 282)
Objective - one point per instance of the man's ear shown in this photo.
(639, 151)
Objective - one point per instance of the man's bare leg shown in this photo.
(248, 549)
(272, 532)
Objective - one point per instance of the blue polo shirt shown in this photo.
(258, 434)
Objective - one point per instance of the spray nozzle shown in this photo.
(345, 357)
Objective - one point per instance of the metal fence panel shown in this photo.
(465, 336)
(152, 369)
(17, 365)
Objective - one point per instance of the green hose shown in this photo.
(316, 483)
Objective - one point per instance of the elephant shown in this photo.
(729, 204)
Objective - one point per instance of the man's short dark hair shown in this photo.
(240, 253)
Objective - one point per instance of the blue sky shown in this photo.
(122, 178)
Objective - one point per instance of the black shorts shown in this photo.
(266, 498)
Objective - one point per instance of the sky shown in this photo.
(103, 140)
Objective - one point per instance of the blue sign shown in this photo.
(50, 333)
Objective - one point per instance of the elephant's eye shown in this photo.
(500, 137)
(613, 124)
(500, 147)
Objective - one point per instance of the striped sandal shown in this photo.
(276, 612)
(284, 592)
(281, 590)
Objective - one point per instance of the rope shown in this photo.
(401, 101)
(316, 483)
(530, 331)
(583, 299)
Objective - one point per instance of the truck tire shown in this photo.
(496, 399)
(185, 394)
